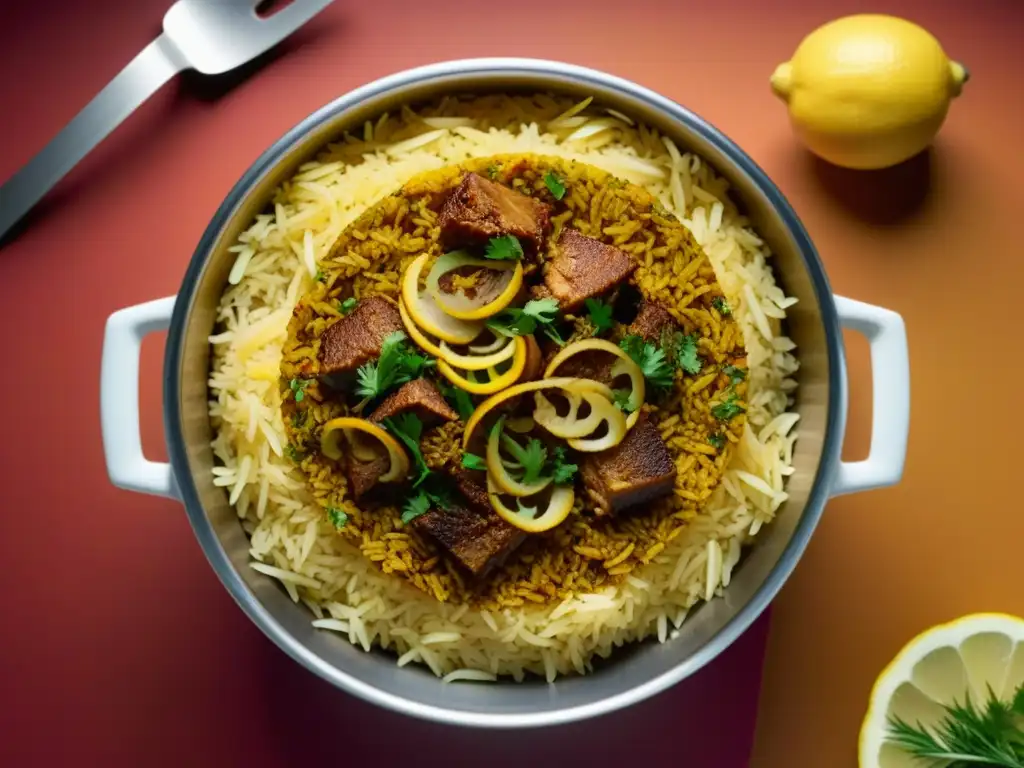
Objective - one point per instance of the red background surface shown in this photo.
(119, 646)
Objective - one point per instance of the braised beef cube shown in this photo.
(480, 542)
(636, 471)
(472, 484)
(363, 475)
(479, 209)
(357, 338)
(652, 322)
(420, 397)
(582, 267)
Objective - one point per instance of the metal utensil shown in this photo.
(210, 36)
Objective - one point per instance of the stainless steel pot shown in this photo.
(815, 323)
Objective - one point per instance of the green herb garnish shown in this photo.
(600, 315)
(728, 408)
(504, 248)
(555, 185)
(408, 428)
(651, 359)
(720, 304)
(521, 322)
(492, 171)
(294, 453)
(319, 276)
(297, 386)
(433, 493)
(621, 398)
(735, 374)
(337, 517)
(561, 471)
(532, 457)
(966, 736)
(686, 353)
(717, 441)
(459, 399)
(347, 305)
(396, 365)
(299, 418)
(472, 461)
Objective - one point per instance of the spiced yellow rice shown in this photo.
(348, 225)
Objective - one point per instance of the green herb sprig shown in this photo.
(537, 313)
(395, 365)
(504, 248)
(555, 185)
(600, 313)
(651, 359)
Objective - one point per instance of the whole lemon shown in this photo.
(868, 91)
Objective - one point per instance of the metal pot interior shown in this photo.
(633, 672)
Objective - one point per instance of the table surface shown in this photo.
(120, 646)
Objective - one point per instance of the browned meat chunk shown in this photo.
(479, 209)
(479, 541)
(419, 396)
(652, 321)
(582, 267)
(363, 475)
(472, 485)
(357, 338)
(593, 364)
(534, 367)
(635, 471)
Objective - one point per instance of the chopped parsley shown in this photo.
(728, 408)
(651, 359)
(504, 248)
(621, 398)
(299, 418)
(297, 387)
(459, 399)
(472, 461)
(337, 517)
(414, 507)
(735, 374)
(717, 441)
(521, 322)
(319, 276)
(408, 428)
(294, 453)
(347, 305)
(600, 313)
(396, 365)
(555, 185)
(492, 171)
(561, 471)
(532, 457)
(720, 304)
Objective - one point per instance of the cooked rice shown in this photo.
(291, 541)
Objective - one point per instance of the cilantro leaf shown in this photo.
(600, 315)
(521, 322)
(408, 428)
(727, 409)
(534, 456)
(347, 305)
(395, 365)
(414, 507)
(297, 386)
(472, 461)
(686, 354)
(503, 248)
(1018, 701)
(720, 304)
(717, 441)
(561, 471)
(319, 276)
(555, 185)
(337, 517)
(294, 453)
(492, 171)
(735, 374)
(459, 399)
(299, 418)
(651, 359)
(621, 398)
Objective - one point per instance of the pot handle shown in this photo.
(127, 467)
(890, 378)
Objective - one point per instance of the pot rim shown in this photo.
(559, 73)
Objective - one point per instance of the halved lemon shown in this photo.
(943, 664)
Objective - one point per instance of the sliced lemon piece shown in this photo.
(481, 362)
(500, 474)
(330, 444)
(496, 381)
(425, 312)
(532, 519)
(968, 656)
(492, 297)
(419, 338)
(623, 366)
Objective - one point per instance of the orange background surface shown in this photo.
(120, 646)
